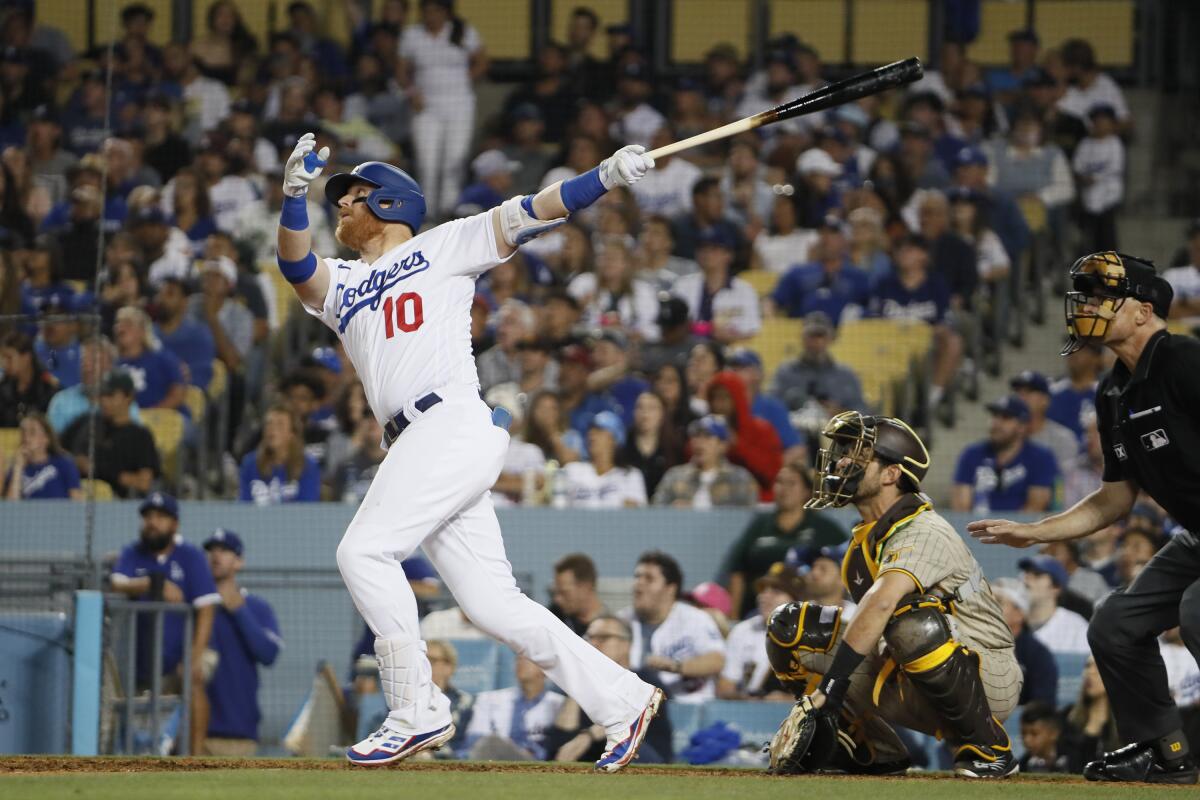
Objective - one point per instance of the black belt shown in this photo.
(396, 425)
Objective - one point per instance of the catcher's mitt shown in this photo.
(805, 741)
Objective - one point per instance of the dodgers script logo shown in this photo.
(370, 290)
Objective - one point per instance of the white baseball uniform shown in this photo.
(405, 323)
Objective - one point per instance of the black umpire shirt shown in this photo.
(1149, 424)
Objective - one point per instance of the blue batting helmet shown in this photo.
(396, 198)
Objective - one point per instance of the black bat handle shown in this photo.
(877, 80)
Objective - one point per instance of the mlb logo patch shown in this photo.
(1155, 439)
(1119, 449)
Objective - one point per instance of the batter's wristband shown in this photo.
(582, 190)
(837, 678)
(298, 271)
(294, 215)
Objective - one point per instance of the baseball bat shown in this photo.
(835, 94)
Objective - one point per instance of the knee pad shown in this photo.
(918, 631)
(800, 642)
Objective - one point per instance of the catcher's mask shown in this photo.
(1100, 285)
(855, 440)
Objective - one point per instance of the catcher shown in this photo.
(928, 648)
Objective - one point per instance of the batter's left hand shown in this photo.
(625, 167)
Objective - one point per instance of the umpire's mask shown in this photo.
(1100, 284)
(854, 441)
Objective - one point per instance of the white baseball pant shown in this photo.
(441, 140)
(432, 489)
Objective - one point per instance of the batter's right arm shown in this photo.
(297, 261)
(1112, 501)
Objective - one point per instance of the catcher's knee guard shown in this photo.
(945, 673)
(800, 640)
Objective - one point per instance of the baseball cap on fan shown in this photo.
(1045, 565)
(492, 162)
(223, 537)
(816, 161)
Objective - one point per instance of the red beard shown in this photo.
(359, 228)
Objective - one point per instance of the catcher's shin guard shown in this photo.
(947, 676)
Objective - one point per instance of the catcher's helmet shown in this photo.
(1100, 284)
(854, 441)
(396, 197)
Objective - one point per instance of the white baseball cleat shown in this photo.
(623, 747)
(387, 746)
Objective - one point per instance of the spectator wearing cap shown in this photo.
(57, 342)
(1185, 280)
(917, 160)
(39, 470)
(1037, 664)
(783, 243)
(999, 209)
(1089, 87)
(635, 119)
(157, 374)
(1061, 630)
(707, 216)
(1006, 82)
(1073, 397)
(187, 339)
(747, 673)
(748, 366)
(913, 293)
(669, 193)
(721, 305)
(579, 402)
(527, 148)
(817, 195)
(1099, 165)
(96, 357)
(1006, 471)
(1033, 388)
(821, 569)
(84, 128)
(612, 373)
(927, 109)
(612, 297)
(754, 444)
(161, 566)
(603, 481)
(206, 102)
(709, 480)
(43, 277)
(679, 641)
(230, 323)
(26, 386)
(654, 443)
(245, 634)
(493, 172)
(829, 282)
(166, 250)
(952, 257)
(814, 376)
(768, 537)
(125, 455)
(49, 162)
(1081, 580)
(500, 363)
(676, 339)
(279, 471)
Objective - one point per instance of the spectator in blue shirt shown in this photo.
(96, 358)
(579, 403)
(611, 354)
(829, 283)
(1000, 210)
(748, 366)
(161, 566)
(1007, 82)
(913, 293)
(1006, 472)
(57, 344)
(157, 374)
(279, 471)
(182, 335)
(43, 277)
(245, 634)
(493, 183)
(1073, 397)
(40, 470)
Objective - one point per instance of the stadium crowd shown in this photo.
(143, 325)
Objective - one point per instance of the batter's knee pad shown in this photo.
(945, 673)
(800, 643)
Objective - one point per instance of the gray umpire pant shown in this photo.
(1123, 635)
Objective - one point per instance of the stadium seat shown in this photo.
(884, 354)
(778, 341)
(1034, 212)
(477, 663)
(1070, 676)
(166, 426)
(10, 440)
(763, 280)
(220, 380)
(196, 402)
(286, 301)
(100, 490)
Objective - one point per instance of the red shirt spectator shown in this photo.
(755, 444)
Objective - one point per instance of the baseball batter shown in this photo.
(402, 310)
(927, 649)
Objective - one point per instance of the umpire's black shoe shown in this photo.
(1003, 765)
(1143, 763)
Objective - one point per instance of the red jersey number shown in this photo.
(403, 312)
